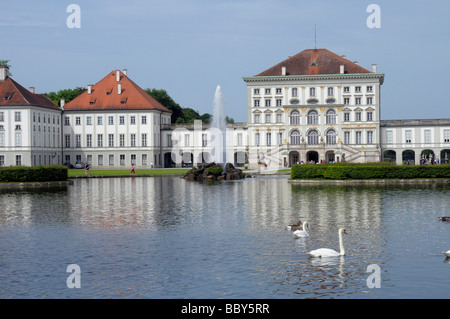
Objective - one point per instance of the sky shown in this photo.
(189, 47)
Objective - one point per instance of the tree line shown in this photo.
(180, 115)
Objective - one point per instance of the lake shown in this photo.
(167, 238)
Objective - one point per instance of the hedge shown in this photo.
(48, 173)
(368, 171)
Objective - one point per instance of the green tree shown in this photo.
(6, 63)
(164, 98)
(67, 94)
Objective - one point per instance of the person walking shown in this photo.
(132, 169)
(86, 170)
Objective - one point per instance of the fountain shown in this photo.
(218, 129)
(218, 169)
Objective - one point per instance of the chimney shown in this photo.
(341, 69)
(344, 56)
(118, 75)
(4, 72)
(119, 88)
(62, 102)
(32, 89)
(356, 62)
(283, 70)
(124, 72)
(374, 68)
(89, 88)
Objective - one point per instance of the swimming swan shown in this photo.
(447, 254)
(295, 227)
(302, 233)
(326, 252)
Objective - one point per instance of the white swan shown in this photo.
(326, 252)
(447, 254)
(302, 233)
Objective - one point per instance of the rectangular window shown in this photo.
(111, 160)
(408, 136)
(257, 118)
(77, 140)
(268, 139)
(280, 138)
(330, 91)
(169, 140)
(100, 120)
(133, 140)
(294, 92)
(122, 159)
(268, 118)
(346, 100)
(346, 137)
(144, 139)
(204, 140)
(77, 120)
(369, 89)
(100, 160)
(144, 119)
(132, 119)
(312, 91)
(279, 102)
(357, 100)
(427, 136)
(89, 140)
(358, 137)
(346, 117)
(144, 159)
(110, 120)
(279, 118)
(133, 159)
(389, 137)
(369, 116)
(358, 116)
(239, 139)
(111, 140)
(122, 120)
(2, 160)
(2, 116)
(67, 140)
(99, 140)
(18, 160)
(278, 91)
(256, 91)
(257, 139)
(66, 120)
(2, 139)
(256, 103)
(122, 140)
(369, 100)
(446, 136)
(369, 137)
(17, 116)
(88, 120)
(268, 103)
(186, 140)
(346, 89)
(357, 89)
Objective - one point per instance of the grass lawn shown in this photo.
(113, 172)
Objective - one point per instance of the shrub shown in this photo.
(368, 171)
(215, 170)
(34, 174)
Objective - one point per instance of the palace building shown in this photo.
(315, 106)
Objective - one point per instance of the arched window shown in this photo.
(313, 117)
(295, 117)
(295, 137)
(331, 137)
(331, 117)
(313, 137)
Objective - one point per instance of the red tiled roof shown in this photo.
(313, 62)
(104, 96)
(14, 94)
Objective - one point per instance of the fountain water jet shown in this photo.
(219, 126)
